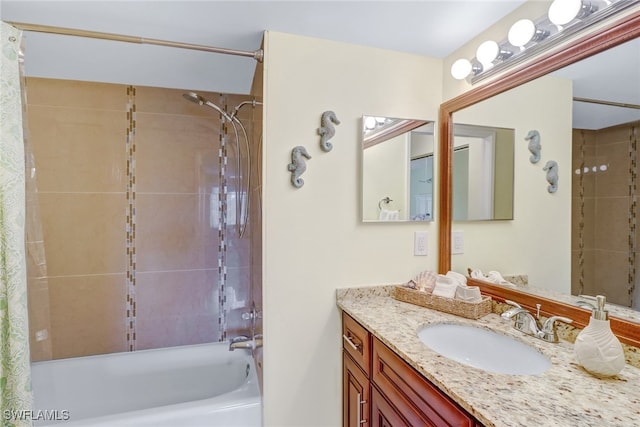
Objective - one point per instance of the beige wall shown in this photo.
(314, 241)
(537, 241)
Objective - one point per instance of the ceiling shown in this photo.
(433, 28)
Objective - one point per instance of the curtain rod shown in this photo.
(613, 104)
(258, 55)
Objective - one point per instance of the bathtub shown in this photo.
(195, 385)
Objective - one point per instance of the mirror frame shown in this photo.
(609, 35)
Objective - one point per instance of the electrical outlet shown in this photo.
(420, 239)
(457, 242)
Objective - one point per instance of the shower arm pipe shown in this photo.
(258, 55)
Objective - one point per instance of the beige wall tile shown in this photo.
(611, 268)
(588, 227)
(83, 233)
(616, 134)
(39, 317)
(78, 131)
(87, 315)
(76, 94)
(79, 150)
(171, 101)
(176, 308)
(612, 224)
(174, 233)
(176, 154)
(588, 179)
(614, 182)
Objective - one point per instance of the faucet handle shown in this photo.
(551, 321)
(549, 332)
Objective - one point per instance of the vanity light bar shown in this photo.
(528, 38)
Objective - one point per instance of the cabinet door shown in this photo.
(383, 414)
(412, 394)
(355, 394)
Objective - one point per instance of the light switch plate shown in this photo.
(420, 240)
(457, 242)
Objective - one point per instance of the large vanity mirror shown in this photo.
(397, 169)
(584, 103)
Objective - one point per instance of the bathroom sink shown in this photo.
(484, 349)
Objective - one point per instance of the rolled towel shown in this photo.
(468, 293)
(445, 287)
(496, 277)
(460, 278)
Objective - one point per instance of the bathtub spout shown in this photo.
(245, 342)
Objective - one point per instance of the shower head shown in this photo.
(201, 100)
(195, 98)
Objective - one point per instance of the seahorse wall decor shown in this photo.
(552, 175)
(534, 145)
(298, 165)
(327, 130)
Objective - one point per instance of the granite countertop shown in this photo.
(564, 395)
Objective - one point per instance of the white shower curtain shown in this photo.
(15, 378)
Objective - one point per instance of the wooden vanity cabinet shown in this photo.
(382, 390)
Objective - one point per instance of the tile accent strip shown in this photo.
(222, 228)
(633, 174)
(582, 217)
(130, 144)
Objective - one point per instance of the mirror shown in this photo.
(559, 255)
(397, 169)
(482, 173)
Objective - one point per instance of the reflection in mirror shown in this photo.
(482, 173)
(397, 169)
(582, 239)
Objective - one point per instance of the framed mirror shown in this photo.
(397, 169)
(567, 139)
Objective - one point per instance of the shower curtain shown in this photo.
(15, 379)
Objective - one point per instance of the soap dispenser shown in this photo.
(597, 349)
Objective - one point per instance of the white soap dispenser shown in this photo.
(597, 349)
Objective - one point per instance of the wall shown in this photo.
(314, 241)
(124, 181)
(537, 241)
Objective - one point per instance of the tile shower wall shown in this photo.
(604, 213)
(128, 183)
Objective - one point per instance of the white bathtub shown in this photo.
(197, 385)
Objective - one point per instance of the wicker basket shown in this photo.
(470, 310)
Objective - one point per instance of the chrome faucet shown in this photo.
(525, 322)
(245, 342)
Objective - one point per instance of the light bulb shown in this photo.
(562, 12)
(521, 32)
(487, 52)
(461, 69)
(370, 122)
